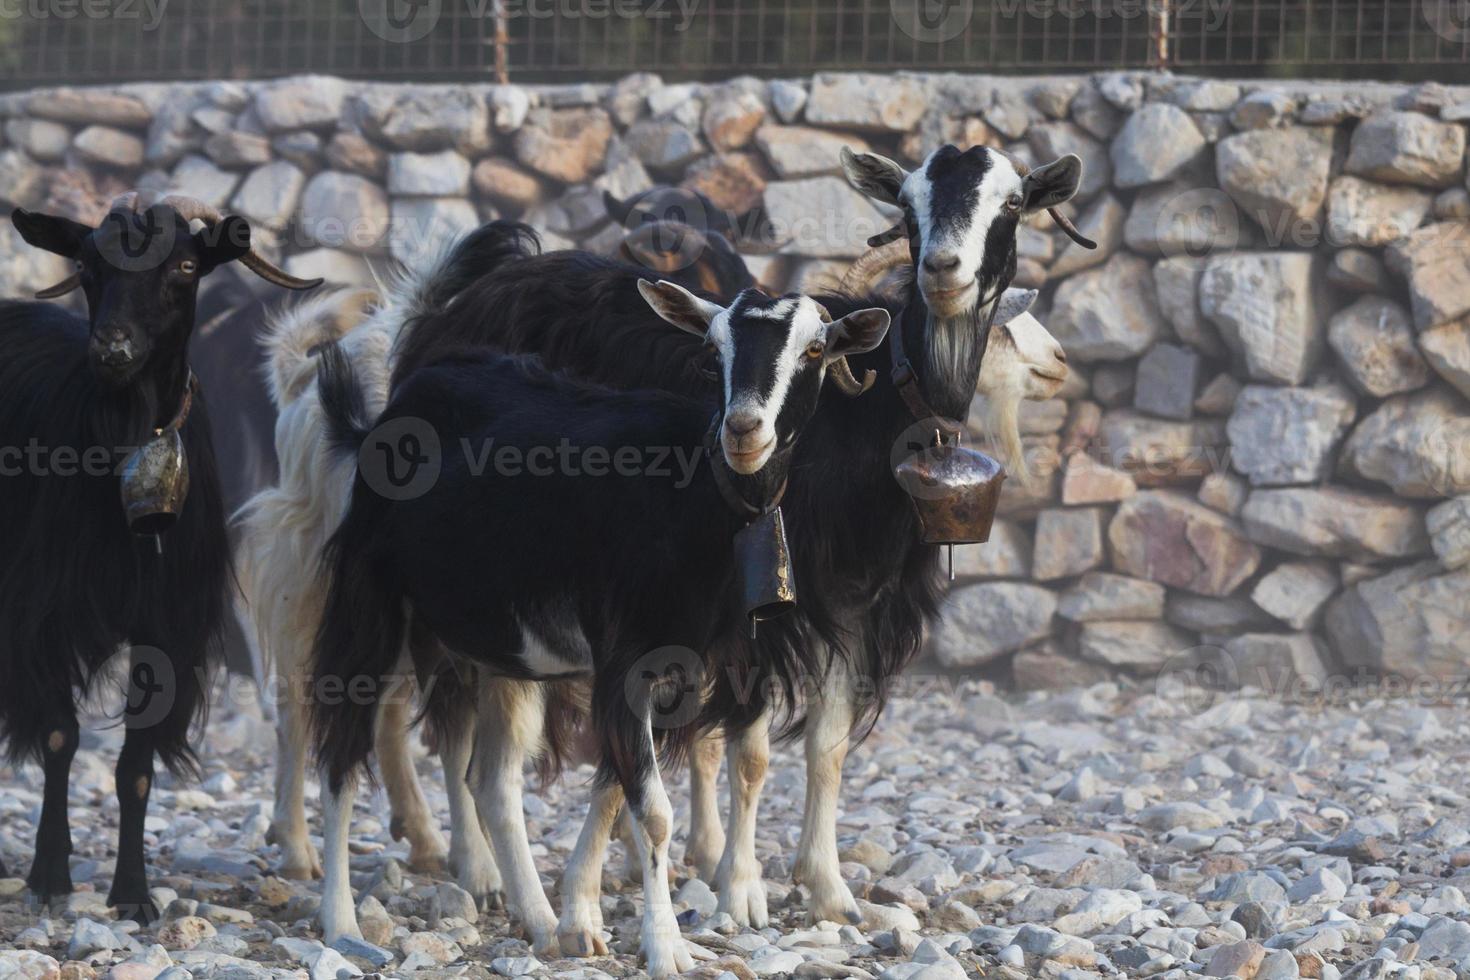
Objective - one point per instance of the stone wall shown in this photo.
(1261, 463)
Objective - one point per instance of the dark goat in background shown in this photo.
(76, 583)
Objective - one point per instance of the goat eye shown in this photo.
(1014, 202)
(814, 349)
(188, 267)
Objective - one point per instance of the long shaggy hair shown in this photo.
(75, 582)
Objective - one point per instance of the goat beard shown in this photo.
(955, 350)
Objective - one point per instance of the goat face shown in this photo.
(961, 211)
(1022, 360)
(773, 355)
(140, 272)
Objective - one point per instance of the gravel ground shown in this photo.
(1100, 832)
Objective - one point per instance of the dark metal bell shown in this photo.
(763, 558)
(955, 491)
(155, 481)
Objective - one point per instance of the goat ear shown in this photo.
(857, 333)
(618, 210)
(679, 306)
(876, 176)
(1013, 302)
(1046, 187)
(225, 241)
(49, 232)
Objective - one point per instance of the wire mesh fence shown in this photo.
(91, 41)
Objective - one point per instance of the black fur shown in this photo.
(76, 585)
(635, 561)
(867, 586)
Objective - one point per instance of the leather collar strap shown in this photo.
(721, 470)
(186, 404)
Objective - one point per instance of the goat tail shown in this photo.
(295, 333)
(477, 254)
(364, 624)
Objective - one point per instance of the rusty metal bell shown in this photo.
(763, 560)
(954, 490)
(155, 481)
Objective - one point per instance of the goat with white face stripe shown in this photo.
(961, 210)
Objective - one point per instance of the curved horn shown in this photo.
(61, 288)
(190, 208)
(863, 275)
(1063, 222)
(841, 374)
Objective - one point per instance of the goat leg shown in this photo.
(129, 894)
(580, 928)
(470, 857)
(828, 728)
(706, 835)
(50, 875)
(738, 878)
(412, 818)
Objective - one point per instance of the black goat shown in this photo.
(869, 584)
(75, 582)
(543, 571)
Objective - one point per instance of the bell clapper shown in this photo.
(753, 622)
(158, 543)
(951, 562)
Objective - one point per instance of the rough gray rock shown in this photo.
(1109, 313)
(1295, 591)
(1165, 537)
(340, 210)
(1374, 342)
(303, 102)
(866, 102)
(1334, 522)
(799, 151)
(1449, 532)
(269, 194)
(1447, 349)
(1156, 141)
(1268, 310)
(986, 621)
(1360, 212)
(1108, 596)
(1176, 282)
(443, 174)
(1278, 177)
(1407, 148)
(1277, 662)
(1069, 541)
(1283, 436)
(567, 145)
(1414, 443)
(1432, 259)
(1132, 645)
(108, 147)
(1167, 378)
(822, 216)
(1404, 622)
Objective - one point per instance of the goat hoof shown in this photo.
(429, 864)
(581, 944)
(50, 882)
(141, 911)
(491, 901)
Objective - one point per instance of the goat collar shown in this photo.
(906, 380)
(186, 404)
(724, 478)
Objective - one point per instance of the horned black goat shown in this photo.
(617, 570)
(77, 582)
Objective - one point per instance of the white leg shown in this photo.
(470, 857)
(663, 946)
(632, 863)
(412, 818)
(706, 835)
(580, 928)
(338, 912)
(510, 728)
(828, 728)
(288, 827)
(738, 879)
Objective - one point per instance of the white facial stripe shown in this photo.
(968, 243)
(804, 325)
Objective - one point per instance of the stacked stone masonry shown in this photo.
(1260, 465)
